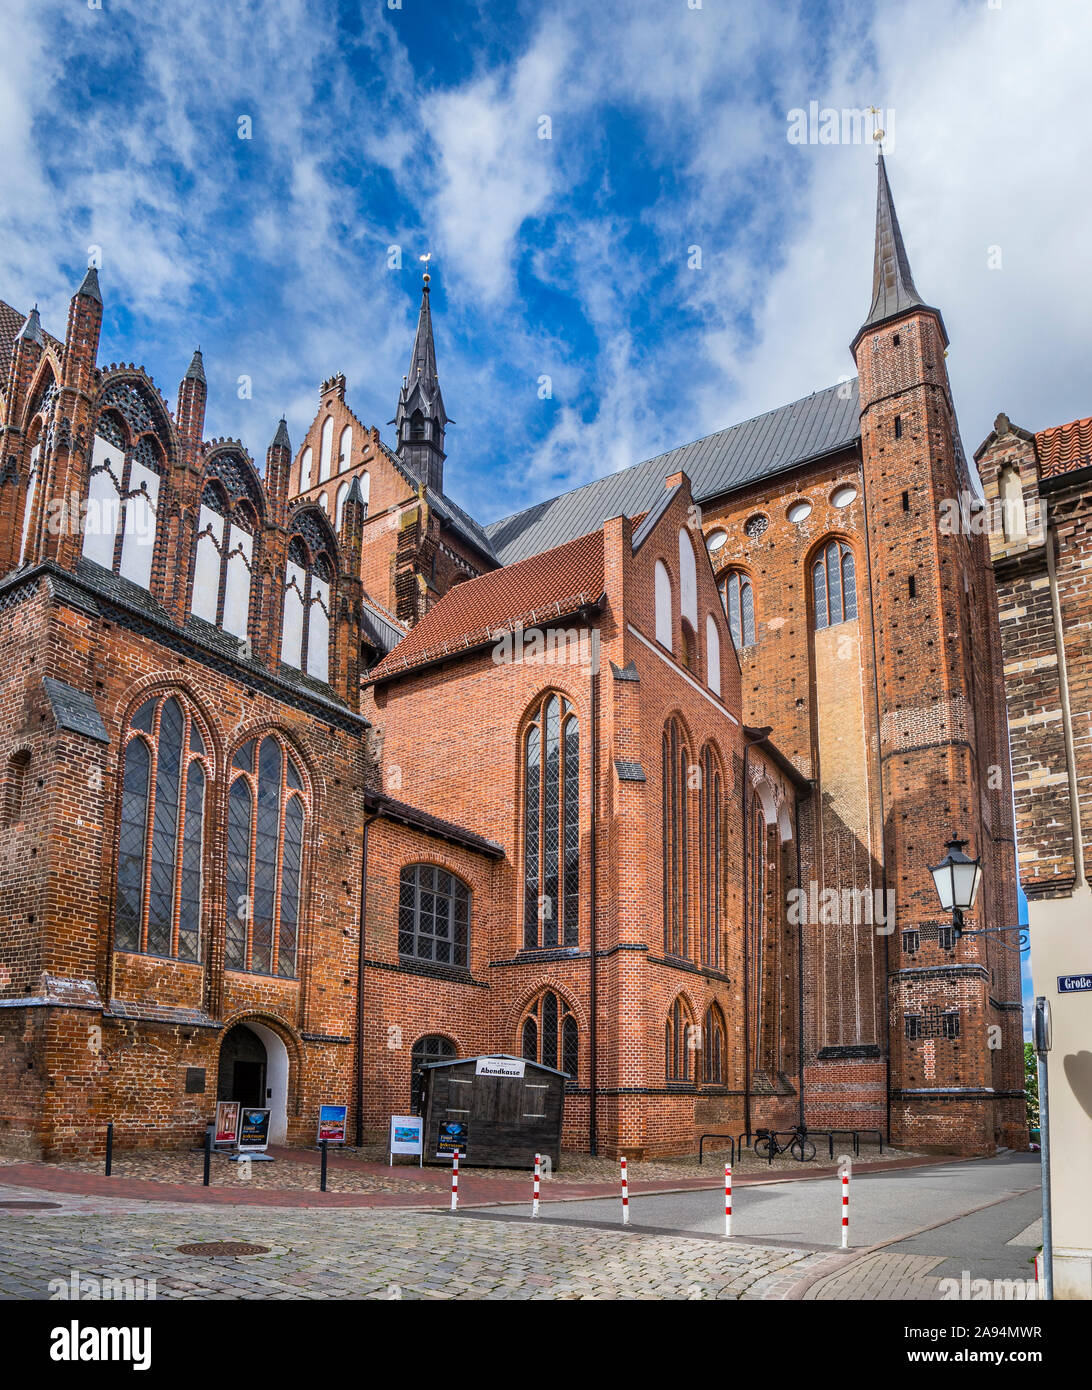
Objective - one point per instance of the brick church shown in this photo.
(307, 778)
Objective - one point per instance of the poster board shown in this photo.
(407, 1136)
(253, 1130)
(226, 1129)
(331, 1124)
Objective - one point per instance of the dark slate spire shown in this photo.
(280, 439)
(421, 418)
(90, 287)
(893, 290)
(196, 370)
(355, 492)
(31, 331)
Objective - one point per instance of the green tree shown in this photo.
(1031, 1085)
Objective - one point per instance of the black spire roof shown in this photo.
(893, 290)
(421, 388)
(196, 370)
(90, 285)
(280, 439)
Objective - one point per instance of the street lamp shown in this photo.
(957, 878)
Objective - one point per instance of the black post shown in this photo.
(324, 1146)
(208, 1154)
(109, 1147)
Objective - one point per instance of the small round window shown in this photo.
(755, 526)
(843, 496)
(799, 511)
(714, 540)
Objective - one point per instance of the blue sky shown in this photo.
(566, 257)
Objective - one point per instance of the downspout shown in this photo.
(746, 954)
(798, 802)
(593, 1039)
(1067, 722)
(359, 1096)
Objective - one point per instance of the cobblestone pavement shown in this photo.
(316, 1254)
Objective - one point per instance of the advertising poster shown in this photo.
(331, 1123)
(407, 1134)
(254, 1129)
(452, 1136)
(227, 1122)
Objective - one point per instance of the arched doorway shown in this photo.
(254, 1071)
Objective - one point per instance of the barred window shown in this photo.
(433, 916)
(911, 941)
(161, 832)
(267, 816)
(914, 1026)
(739, 603)
(676, 845)
(551, 858)
(548, 1034)
(835, 584)
(677, 1043)
(433, 1048)
(950, 1024)
(713, 1046)
(712, 858)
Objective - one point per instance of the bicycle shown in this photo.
(798, 1145)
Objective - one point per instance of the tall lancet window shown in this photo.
(226, 527)
(345, 449)
(551, 821)
(676, 840)
(308, 598)
(267, 819)
(326, 449)
(160, 840)
(128, 464)
(835, 584)
(31, 497)
(739, 604)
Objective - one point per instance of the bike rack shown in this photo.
(701, 1146)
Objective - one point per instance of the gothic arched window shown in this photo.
(306, 461)
(326, 448)
(433, 915)
(345, 449)
(128, 465)
(834, 579)
(308, 600)
(664, 609)
(677, 1049)
(551, 821)
(224, 562)
(160, 840)
(432, 1048)
(339, 508)
(676, 848)
(739, 604)
(712, 858)
(713, 1044)
(548, 1034)
(267, 820)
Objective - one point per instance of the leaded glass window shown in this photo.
(835, 585)
(676, 842)
(433, 916)
(551, 873)
(161, 832)
(712, 858)
(739, 603)
(266, 826)
(549, 1035)
(677, 1043)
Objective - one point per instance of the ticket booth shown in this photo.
(498, 1111)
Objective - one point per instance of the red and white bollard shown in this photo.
(845, 1211)
(538, 1177)
(727, 1199)
(455, 1181)
(625, 1195)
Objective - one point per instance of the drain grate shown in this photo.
(222, 1247)
(30, 1206)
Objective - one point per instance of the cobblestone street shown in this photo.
(317, 1254)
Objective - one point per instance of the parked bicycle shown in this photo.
(798, 1144)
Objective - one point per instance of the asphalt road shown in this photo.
(884, 1206)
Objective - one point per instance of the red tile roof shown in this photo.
(1063, 448)
(555, 583)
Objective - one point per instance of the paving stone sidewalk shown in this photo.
(317, 1254)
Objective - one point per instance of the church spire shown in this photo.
(893, 290)
(420, 418)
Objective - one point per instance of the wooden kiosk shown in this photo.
(499, 1111)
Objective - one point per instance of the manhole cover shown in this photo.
(223, 1247)
(30, 1206)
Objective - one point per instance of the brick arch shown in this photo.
(47, 375)
(314, 782)
(288, 1036)
(564, 992)
(149, 687)
(160, 416)
(536, 701)
(688, 1001)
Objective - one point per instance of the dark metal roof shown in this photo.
(196, 370)
(90, 286)
(74, 709)
(819, 424)
(500, 1056)
(381, 631)
(383, 805)
(629, 772)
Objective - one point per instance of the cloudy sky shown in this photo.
(420, 124)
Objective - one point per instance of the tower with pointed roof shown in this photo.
(942, 764)
(420, 419)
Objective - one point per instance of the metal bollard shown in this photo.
(109, 1147)
(208, 1155)
(322, 1183)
